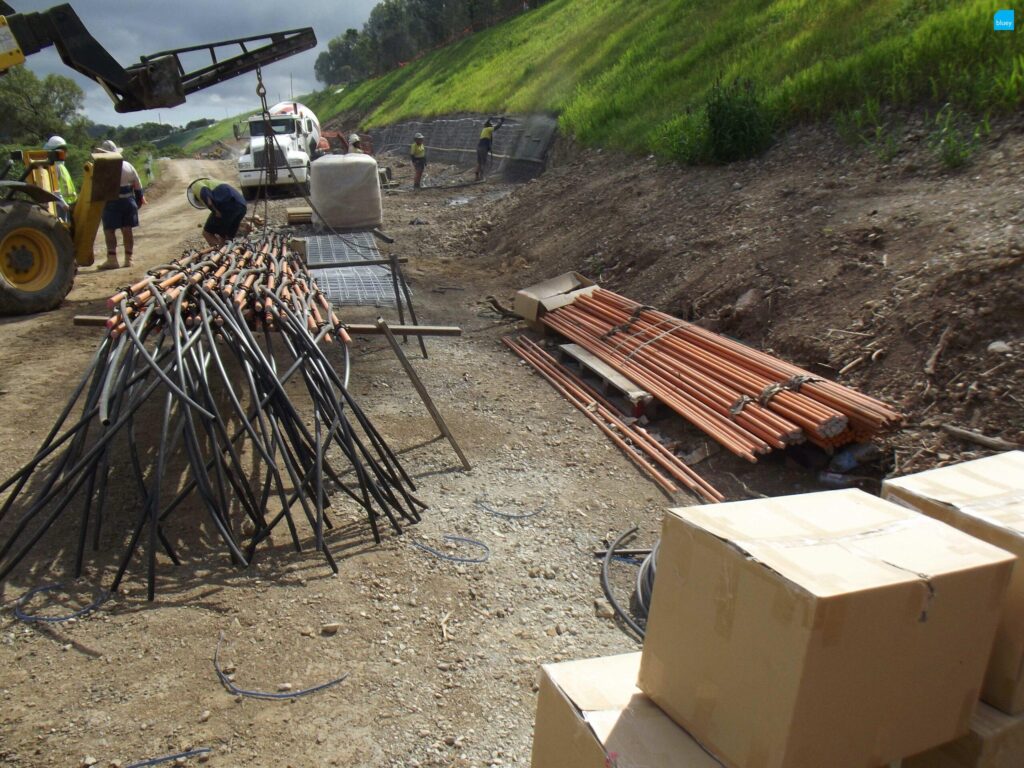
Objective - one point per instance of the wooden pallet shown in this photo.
(641, 402)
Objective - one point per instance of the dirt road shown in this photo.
(441, 658)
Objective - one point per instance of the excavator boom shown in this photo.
(158, 80)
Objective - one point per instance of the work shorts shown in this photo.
(120, 213)
(483, 149)
(226, 225)
(419, 163)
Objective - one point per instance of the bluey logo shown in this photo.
(1003, 21)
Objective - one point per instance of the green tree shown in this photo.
(31, 109)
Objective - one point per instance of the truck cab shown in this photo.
(295, 132)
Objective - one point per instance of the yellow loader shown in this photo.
(39, 253)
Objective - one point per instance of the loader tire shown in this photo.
(37, 261)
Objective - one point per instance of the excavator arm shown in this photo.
(158, 80)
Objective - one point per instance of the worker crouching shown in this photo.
(226, 205)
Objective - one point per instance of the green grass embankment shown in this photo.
(637, 75)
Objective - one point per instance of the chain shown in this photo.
(269, 137)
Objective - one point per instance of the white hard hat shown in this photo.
(353, 138)
(108, 146)
(192, 196)
(55, 142)
(418, 136)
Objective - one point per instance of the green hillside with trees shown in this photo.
(667, 76)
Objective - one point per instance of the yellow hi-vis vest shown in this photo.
(487, 132)
(66, 184)
(418, 150)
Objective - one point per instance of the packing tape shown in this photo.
(785, 605)
(967, 708)
(704, 705)
(829, 622)
(725, 596)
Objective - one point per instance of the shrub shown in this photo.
(739, 125)
(951, 141)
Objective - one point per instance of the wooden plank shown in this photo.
(100, 321)
(406, 330)
(629, 389)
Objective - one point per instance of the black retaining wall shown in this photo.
(520, 148)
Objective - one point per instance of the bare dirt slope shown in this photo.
(828, 256)
(848, 257)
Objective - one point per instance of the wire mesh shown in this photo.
(350, 286)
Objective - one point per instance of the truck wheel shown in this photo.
(37, 263)
(249, 193)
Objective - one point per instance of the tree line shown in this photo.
(32, 109)
(399, 31)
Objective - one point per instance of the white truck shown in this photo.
(296, 134)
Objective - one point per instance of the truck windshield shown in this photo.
(280, 125)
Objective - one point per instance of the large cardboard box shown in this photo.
(830, 629)
(984, 498)
(996, 740)
(590, 714)
(532, 302)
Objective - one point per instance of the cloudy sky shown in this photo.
(129, 29)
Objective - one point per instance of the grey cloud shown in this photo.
(133, 28)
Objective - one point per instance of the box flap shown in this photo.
(597, 684)
(990, 489)
(630, 727)
(551, 294)
(640, 734)
(836, 542)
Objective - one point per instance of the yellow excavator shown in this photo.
(41, 242)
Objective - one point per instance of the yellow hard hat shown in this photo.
(192, 194)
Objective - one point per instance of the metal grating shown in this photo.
(350, 286)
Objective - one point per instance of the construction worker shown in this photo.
(122, 213)
(65, 184)
(354, 144)
(323, 146)
(483, 147)
(418, 155)
(226, 205)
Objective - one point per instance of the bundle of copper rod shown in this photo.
(646, 452)
(748, 401)
(247, 274)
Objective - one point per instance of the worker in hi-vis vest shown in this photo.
(65, 184)
(483, 147)
(418, 155)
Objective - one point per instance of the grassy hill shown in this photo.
(638, 75)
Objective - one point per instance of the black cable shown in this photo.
(263, 694)
(606, 586)
(456, 558)
(101, 597)
(641, 602)
(168, 758)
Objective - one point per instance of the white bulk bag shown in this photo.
(345, 191)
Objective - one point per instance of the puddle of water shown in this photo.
(455, 201)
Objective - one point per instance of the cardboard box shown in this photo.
(590, 714)
(829, 629)
(984, 498)
(996, 740)
(530, 303)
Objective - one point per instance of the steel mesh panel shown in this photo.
(350, 286)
